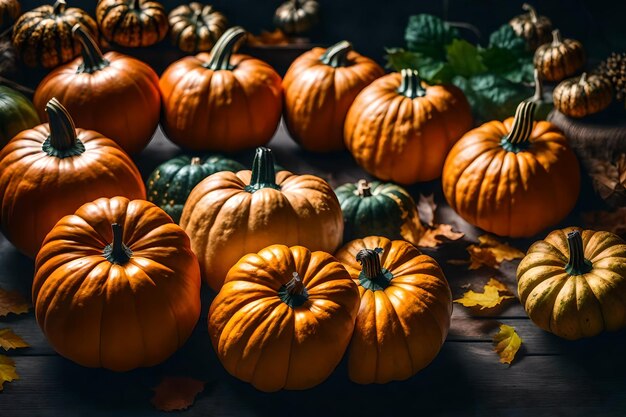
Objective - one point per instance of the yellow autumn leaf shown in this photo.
(506, 343)
(12, 302)
(499, 285)
(435, 236)
(489, 298)
(9, 340)
(7, 371)
(501, 251)
(481, 257)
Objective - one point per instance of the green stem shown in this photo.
(411, 86)
(337, 55)
(93, 60)
(59, 7)
(531, 11)
(117, 252)
(538, 96)
(556, 37)
(373, 276)
(263, 171)
(294, 293)
(132, 5)
(577, 264)
(517, 138)
(223, 49)
(363, 189)
(62, 142)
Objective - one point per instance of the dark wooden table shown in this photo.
(550, 377)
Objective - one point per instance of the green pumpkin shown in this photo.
(170, 184)
(378, 209)
(17, 113)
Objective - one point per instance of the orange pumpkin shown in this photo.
(230, 214)
(501, 175)
(401, 129)
(283, 318)
(113, 94)
(51, 170)
(132, 23)
(221, 102)
(117, 285)
(319, 88)
(405, 309)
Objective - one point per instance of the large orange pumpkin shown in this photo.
(113, 94)
(401, 129)
(51, 170)
(284, 317)
(221, 101)
(319, 88)
(230, 214)
(117, 285)
(405, 309)
(512, 178)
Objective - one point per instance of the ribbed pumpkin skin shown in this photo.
(318, 96)
(195, 27)
(43, 36)
(389, 211)
(262, 340)
(575, 306)
(16, 114)
(37, 189)
(117, 316)
(400, 329)
(294, 17)
(559, 59)
(132, 23)
(580, 97)
(505, 192)
(532, 27)
(394, 137)
(170, 184)
(9, 11)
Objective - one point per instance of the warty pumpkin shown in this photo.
(283, 318)
(319, 88)
(116, 285)
(295, 17)
(535, 29)
(230, 214)
(584, 95)
(559, 59)
(51, 170)
(222, 101)
(16, 114)
(113, 94)
(43, 36)
(132, 23)
(405, 309)
(9, 12)
(401, 129)
(501, 175)
(195, 27)
(573, 283)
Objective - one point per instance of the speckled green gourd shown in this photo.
(17, 113)
(170, 184)
(378, 209)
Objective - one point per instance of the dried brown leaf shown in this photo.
(176, 393)
(506, 343)
(609, 221)
(426, 207)
(12, 302)
(609, 179)
(9, 340)
(7, 371)
(481, 257)
(436, 236)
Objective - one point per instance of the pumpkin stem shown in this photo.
(223, 49)
(117, 252)
(263, 171)
(411, 86)
(373, 276)
(195, 161)
(93, 60)
(538, 96)
(522, 127)
(583, 79)
(59, 7)
(132, 4)
(531, 12)
(577, 264)
(62, 141)
(556, 37)
(294, 293)
(363, 189)
(337, 55)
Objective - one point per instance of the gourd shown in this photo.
(132, 23)
(559, 59)
(195, 27)
(295, 17)
(16, 114)
(319, 88)
(584, 95)
(401, 129)
(531, 26)
(116, 285)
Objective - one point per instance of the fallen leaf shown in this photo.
(9, 340)
(609, 221)
(490, 298)
(176, 393)
(506, 343)
(426, 207)
(481, 257)
(12, 302)
(499, 285)
(435, 237)
(502, 251)
(609, 179)
(7, 371)
(276, 37)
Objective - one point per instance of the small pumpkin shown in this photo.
(405, 309)
(378, 209)
(295, 17)
(132, 23)
(223, 101)
(43, 36)
(283, 318)
(399, 128)
(51, 170)
(171, 182)
(584, 95)
(500, 175)
(9, 11)
(195, 27)
(559, 59)
(573, 283)
(230, 214)
(535, 29)
(16, 114)
(319, 88)
(116, 285)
